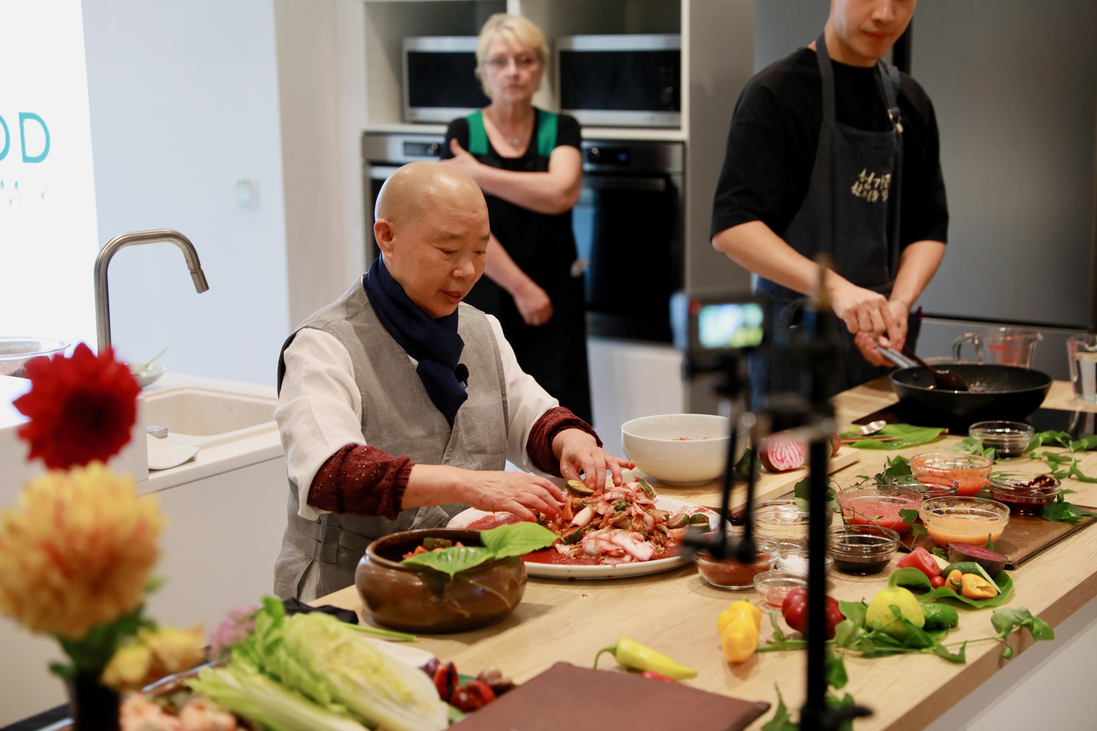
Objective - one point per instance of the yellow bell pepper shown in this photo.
(976, 587)
(879, 611)
(738, 626)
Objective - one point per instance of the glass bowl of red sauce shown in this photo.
(961, 519)
(862, 549)
(928, 485)
(732, 574)
(969, 470)
(878, 505)
(1025, 493)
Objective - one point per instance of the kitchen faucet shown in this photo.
(102, 299)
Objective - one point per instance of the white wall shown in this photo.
(184, 102)
(322, 92)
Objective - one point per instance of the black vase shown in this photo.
(93, 707)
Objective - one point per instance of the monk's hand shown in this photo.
(520, 493)
(462, 159)
(579, 452)
(533, 304)
(863, 310)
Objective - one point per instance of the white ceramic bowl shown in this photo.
(150, 374)
(680, 449)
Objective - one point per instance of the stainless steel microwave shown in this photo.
(621, 80)
(439, 78)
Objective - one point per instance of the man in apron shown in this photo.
(832, 152)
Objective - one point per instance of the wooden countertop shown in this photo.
(676, 613)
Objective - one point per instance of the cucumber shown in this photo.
(578, 487)
(681, 520)
(940, 616)
(698, 519)
(648, 489)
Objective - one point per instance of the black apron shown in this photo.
(851, 213)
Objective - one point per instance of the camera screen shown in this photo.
(721, 326)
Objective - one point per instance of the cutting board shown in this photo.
(1024, 537)
(570, 697)
(770, 484)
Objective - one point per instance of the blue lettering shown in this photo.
(7, 139)
(23, 117)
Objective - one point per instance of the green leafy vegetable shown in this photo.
(454, 559)
(244, 690)
(781, 720)
(742, 467)
(311, 671)
(906, 436)
(1061, 511)
(914, 579)
(516, 539)
(967, 444)
(1006, 619)
(836, 671)
(1063, 465)
(802, 489)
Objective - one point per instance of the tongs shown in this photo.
(943, 379)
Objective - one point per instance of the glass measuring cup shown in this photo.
(1000, 345)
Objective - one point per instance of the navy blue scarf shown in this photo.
(433, 342)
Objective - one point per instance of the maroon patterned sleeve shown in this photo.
(551, 423)
(361, 480)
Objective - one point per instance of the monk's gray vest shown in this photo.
(399, 418)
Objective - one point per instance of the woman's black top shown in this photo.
(543, 246)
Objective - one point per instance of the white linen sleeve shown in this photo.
(526, 401)
(319, 409)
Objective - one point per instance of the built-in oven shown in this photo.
(628, 225)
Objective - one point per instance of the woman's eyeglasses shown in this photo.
(500, 63)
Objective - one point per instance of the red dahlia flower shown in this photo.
(80, 408)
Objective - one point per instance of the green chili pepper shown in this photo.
(634, 655)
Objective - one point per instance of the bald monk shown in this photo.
(398, 406)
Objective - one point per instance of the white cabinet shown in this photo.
(630, 379)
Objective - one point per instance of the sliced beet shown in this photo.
(992, 561)
(782, 453)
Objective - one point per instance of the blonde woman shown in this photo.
(528, 163)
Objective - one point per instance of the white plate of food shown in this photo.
(562, 570)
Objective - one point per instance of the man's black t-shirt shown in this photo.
(775, 134)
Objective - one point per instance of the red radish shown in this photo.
(992, 561)
(782, 453)
(836, 444)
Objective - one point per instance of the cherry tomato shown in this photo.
(937, 581)
(922, 560)
(795, 611)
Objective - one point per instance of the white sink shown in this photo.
(205, 417)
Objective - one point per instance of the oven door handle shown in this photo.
(382, 172)
(620, 182)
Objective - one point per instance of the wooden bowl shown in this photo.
(419, 599)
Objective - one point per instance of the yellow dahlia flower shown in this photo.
(77, 552)
(154, 654)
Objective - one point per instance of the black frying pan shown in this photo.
(998, 392)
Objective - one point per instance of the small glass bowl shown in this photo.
(733, 575)
(862, 549)
(1008, 438)
(878, 506)
(783, 520)
(1014, 490)
(774, 586)
(970, 520)
(928, 485)
(785, 546)
(969, 470)
(796, 563)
